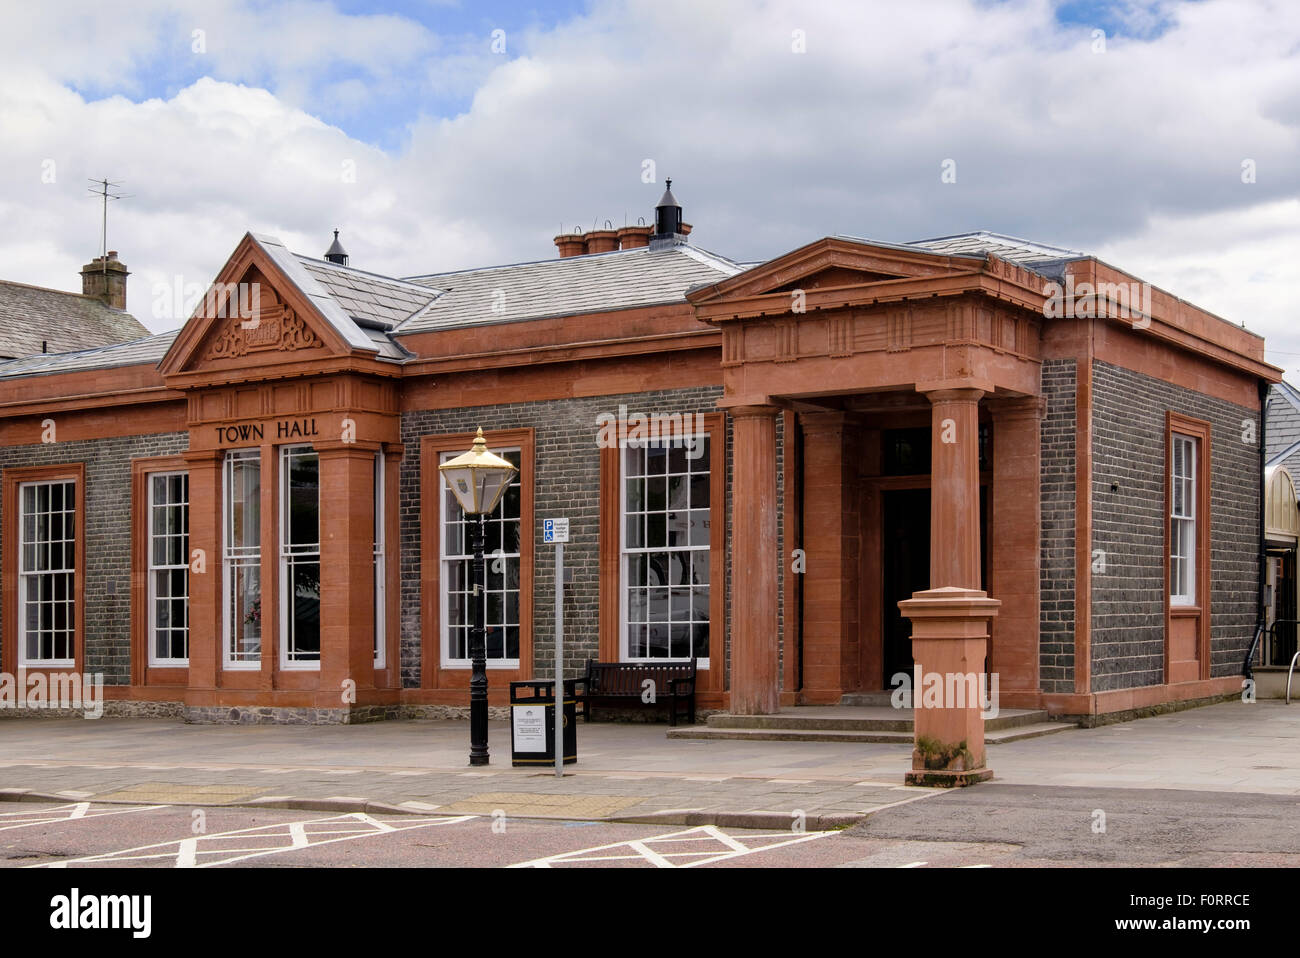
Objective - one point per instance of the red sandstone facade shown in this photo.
(846, 379)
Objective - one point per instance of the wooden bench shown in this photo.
(623, 682)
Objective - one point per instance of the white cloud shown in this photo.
(1135, 153)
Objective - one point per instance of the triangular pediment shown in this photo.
(254, 317)
(832, 262)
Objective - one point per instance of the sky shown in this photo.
(1162, 136)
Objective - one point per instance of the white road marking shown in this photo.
(283, 837)
(64, 813)
(914, 865)
(655, 849)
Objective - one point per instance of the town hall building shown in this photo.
(1054, 467)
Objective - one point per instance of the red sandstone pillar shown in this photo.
(1014, 528)
(755, 563)
(950, 620)
(831, 656)
(347, 480)
(205, 587)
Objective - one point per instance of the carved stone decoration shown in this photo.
(276, 327)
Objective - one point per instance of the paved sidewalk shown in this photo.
(625, 772)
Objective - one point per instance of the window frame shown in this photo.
(151, 604)
(1195, 618)
(702, 662)
(379, 545)
(13, 637)
(230, 562)
(286, 556)
(450, 682)
(444, 607)
(25, 575)
(711, 682)
(1189, 519)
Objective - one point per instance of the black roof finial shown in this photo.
(336, 253)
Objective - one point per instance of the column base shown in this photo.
(946, 778)
(950, 629)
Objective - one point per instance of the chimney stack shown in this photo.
(105, 278)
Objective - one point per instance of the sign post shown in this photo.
(556, 531)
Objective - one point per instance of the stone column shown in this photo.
(205, 587)
(347, 480)
(754, 563)
(831, 537)
(950, 620)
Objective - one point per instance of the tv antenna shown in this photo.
(104, 189)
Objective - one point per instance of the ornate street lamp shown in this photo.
(478, 479)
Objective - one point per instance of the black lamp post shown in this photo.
(478, 479)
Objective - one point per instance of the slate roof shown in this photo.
(1036, 256)
(1282, 429)
(369, 296)
(562, 287)
(149, 349)
(30, 315)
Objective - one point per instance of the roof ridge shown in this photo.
(364, 272)
(1289, 393)
(572, 260)
(65, 292)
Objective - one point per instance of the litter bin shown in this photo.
(532, 722)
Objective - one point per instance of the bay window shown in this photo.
(299, 557)
(242, 559)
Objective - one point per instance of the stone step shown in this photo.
(998, 737)
(859, 719)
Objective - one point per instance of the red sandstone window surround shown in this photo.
(613, 582)
(1188, 523)
(441, 667)
(160, 556)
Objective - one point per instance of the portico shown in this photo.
(895, 373)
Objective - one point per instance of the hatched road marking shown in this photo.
(64, 813)
(658, 850)
(205, 851)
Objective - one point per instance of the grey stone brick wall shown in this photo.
(566, 482)
(1129, 518)
(1057, 489)
(107, 536)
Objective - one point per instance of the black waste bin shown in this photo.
(532, 722)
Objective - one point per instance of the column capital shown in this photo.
(753, 412)
(337, 448)
(199, 457)
(941, 394)
(1017, 407)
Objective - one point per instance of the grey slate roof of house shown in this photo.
(32, 315)
(149, 349)
(1282, 430)
(562, 287)
(1019, 251)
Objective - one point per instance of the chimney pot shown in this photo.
(602, 241)
(571, 244)
(634, 237)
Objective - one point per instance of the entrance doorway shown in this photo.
(905, 564)
(905, 567)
